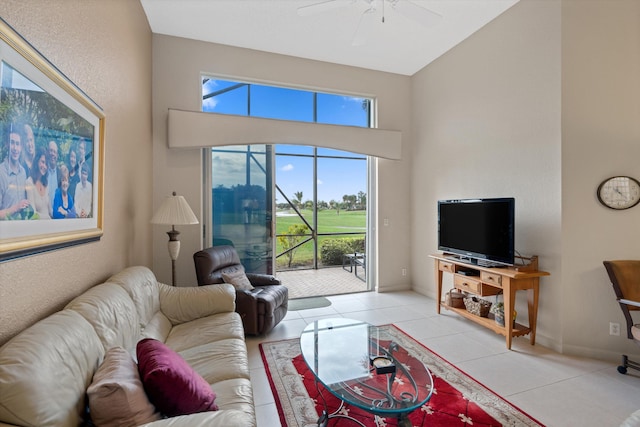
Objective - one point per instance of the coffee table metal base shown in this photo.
(323, 421)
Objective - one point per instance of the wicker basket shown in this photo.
(454, 299)
(477, 306)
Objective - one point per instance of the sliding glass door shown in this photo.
(242, 203)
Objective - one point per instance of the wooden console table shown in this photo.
(485, 281)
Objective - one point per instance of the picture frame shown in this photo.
(51, 155)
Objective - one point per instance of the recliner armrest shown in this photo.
(257, 279)
(247, 306)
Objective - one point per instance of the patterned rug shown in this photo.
(457, 399)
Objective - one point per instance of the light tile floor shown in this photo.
(557, 390)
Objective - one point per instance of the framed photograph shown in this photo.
(51, 154)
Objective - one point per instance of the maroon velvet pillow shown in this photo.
(171, 384)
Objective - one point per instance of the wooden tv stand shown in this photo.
(492, 281)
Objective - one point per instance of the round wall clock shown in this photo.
(619, 192)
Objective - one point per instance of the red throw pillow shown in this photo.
(171, 384)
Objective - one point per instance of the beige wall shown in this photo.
(541, 104)
(177, 65)
(105, 48)
(487, 124)
(600, 138)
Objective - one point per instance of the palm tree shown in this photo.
(298, 196)
(362, 199)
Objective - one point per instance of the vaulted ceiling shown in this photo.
(396, 36)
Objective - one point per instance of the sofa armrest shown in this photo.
(182, 305)
(257, 279)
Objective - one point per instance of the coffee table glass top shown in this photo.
(339, 352)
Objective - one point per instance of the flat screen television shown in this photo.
(480, 230)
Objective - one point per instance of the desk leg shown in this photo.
(509, 296)
(532, 301)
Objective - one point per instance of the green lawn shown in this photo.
(329, 221)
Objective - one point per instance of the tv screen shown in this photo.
(478, 229)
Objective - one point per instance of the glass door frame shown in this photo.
(371, 273)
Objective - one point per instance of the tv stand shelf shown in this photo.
(485, 281)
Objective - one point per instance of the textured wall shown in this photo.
(104, 47)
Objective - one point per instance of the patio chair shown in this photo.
(360, 260)
(625, 278)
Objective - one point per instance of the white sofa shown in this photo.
(46, 369)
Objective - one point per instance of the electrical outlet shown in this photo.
(614, 328)
(404, 271)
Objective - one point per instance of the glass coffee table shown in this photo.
(362, 366)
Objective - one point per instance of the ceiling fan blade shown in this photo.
(422, 16)
(364, 27)
(324, 6)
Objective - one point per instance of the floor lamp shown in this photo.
(174, 211)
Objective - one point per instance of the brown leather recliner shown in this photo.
(261, 308)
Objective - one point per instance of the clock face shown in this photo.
(619, 192)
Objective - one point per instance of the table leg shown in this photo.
(323, 420)
(438, 287)
(532, 300)
(403, 421)
(509, 296)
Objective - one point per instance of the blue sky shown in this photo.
(336, 177)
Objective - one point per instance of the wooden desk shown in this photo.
(492, 281)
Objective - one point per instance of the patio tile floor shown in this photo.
(321, 282)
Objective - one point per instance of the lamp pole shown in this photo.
(174, 251)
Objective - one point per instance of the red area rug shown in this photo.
(457, 399)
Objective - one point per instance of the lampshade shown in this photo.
(174, 211)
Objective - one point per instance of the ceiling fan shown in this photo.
(406, 8)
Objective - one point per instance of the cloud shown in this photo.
(319, 182)
(209, 104)
(286, 168)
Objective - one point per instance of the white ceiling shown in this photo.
(399, 45)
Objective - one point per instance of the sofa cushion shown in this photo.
(112, 314)
(238, 279)
(46, 369)
(143, 289)
(236, 395)
(207, 330)
(185, 304)
(116, 395)
(173, 386)
(219, 361)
